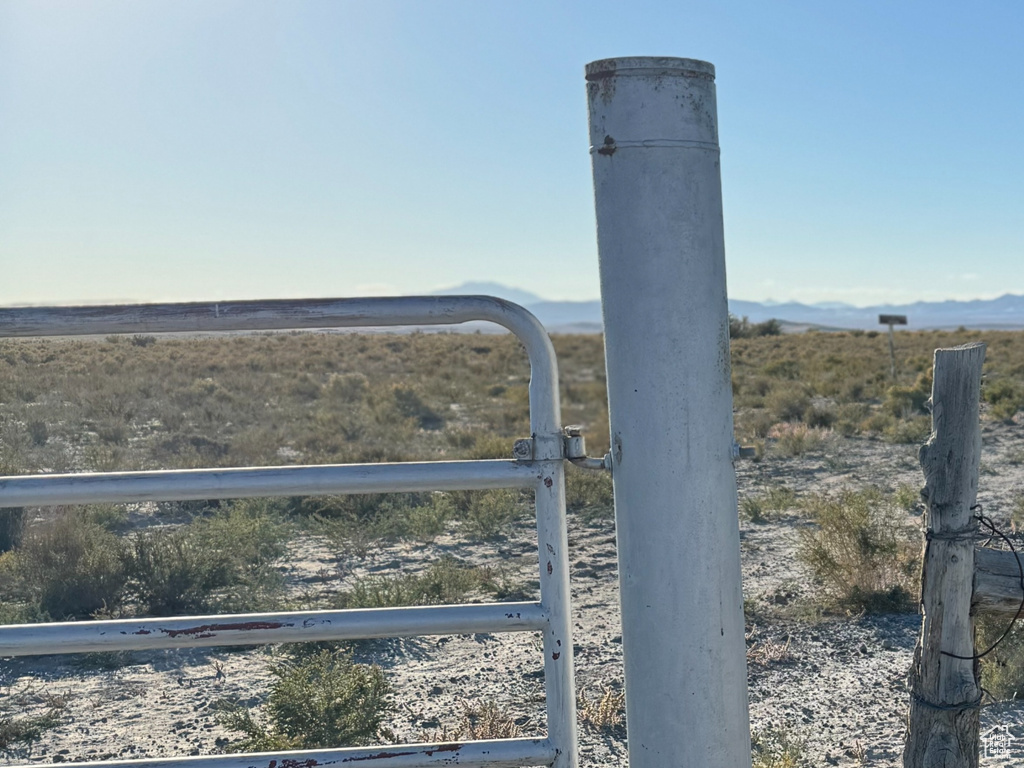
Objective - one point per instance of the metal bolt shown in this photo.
(522, 450)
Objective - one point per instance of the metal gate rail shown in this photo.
(540, 466)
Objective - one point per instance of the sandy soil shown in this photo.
(838, 682)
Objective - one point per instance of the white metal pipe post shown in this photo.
(657, 189)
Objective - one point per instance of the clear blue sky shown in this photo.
(213, 149)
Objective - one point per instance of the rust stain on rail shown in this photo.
(209, 630)
(443, 748)
(377, 756)
(310, 763)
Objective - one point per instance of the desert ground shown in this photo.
(827, 676)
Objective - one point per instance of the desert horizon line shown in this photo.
(532, 299)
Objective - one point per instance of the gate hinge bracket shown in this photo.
(743, 451)
(576, 450)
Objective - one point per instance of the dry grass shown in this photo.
(766, 652)
(604, 711)
(478, 721)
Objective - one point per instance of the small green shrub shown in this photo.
(70, 567)
(354, 524)
(907, 497)
(347, 388)
(742, 328)
(788, 369)
(11, 523)
(491, 513)
(19, 613)
(445, 582)
(410, 405)
(252, 529)
(426, 522)
(1005, 398)
(905, 402)
(112, 517)
(38, 431)
(861, 551)
(903, 431)
(775, 499)
(1017, 514)
(174, 572)
(223, 562)
(755, 424)
(777, 747)
(589, 493)
(18, 734)
(316, 702)
(850, 418)
(787, 404)
(1002, 671)
(823, 416)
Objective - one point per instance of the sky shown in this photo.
(872, 152)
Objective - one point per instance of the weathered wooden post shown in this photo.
(945, 679)
(658, 198)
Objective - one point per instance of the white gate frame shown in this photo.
(538, 465)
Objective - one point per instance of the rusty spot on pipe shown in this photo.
(443, 748)
(377, 756)
(548, 482)
(310, 763)
(550, 568)
(208, 630)
(608, 148)
(555, 656)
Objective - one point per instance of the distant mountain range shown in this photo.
(1004, 313)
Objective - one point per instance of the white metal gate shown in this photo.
(538, 464)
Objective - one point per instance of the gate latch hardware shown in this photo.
(576, 450)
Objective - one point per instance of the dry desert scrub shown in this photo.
(271, 399)
(862, 551)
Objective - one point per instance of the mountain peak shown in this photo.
(484, 288)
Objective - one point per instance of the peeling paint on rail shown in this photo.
(259, 629)
(246, 626)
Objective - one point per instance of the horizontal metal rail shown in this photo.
(286, 314)
(263, 482)
(261, 628)
(499, 753)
